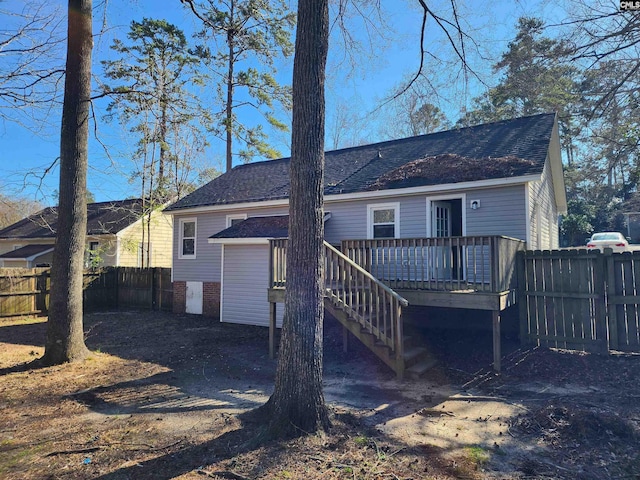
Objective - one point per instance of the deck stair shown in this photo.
(372, 312)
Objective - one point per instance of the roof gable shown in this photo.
(358, 169)
(102, 218)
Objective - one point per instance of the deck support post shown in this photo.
(496, 340)
(272, 330)
(345, 339)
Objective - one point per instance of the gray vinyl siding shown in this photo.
(413, 217)
(349, 219)
(205, 267)
(542, 197)
(502, 212)
(244, 286)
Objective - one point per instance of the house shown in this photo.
(114, 237)
(435, 219)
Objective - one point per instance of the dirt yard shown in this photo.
(164, 396)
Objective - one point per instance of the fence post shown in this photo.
(612, 305)
(495, 264)
(41, 297)
(153, 288)
(521, 288)
(599, 289)
(116, 272)
(159, 287)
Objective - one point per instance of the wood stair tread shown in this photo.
(418, 369)
(413, 352)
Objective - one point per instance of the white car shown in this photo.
(613, 240)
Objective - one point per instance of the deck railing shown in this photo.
(478, 263)
(375, 306)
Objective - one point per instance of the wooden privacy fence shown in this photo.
(579, 299)
(26, 291)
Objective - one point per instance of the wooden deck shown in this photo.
(370, 281)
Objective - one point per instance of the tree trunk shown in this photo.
(297, 405)
(229, 110)
(65, 336)
(160, 192)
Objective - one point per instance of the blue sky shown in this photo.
(389, 53)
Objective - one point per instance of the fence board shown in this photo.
(625, 329)
(557, 302)
(582, 318)
(26, 291)
(579, 299)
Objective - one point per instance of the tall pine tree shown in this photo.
(254, 34)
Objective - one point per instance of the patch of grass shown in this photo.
(478, 455)
(361, 441)
(11, 461)
(6, 442)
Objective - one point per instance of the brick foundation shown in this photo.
(179, 297)
(211, 299)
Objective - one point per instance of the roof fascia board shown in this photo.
(139, 220)
(240, 241)
(390, 193)
(527, 210)
(30, 239)
(557, 174)
(142, 216)
(33, 257)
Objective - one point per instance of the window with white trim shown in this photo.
(235, 218)
(384, 220)
(187, 243)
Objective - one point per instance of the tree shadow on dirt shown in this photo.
(22, 367)
(163, 393)
(189, 458)
(226, 455)
(24, 334)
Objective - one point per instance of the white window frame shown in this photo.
(181, 237)
(383, 206)
(235, 216)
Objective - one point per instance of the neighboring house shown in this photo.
(114, 237)
(427, 212)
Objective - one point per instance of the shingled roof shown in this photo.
(524, 141)
(102, 218)
(276, 226)
(27, 252)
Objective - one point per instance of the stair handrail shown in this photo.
(403, 301)
(378, 309)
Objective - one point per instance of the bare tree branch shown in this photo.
(31, 63)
